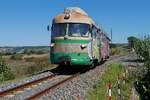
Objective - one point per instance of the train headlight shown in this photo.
(83, 46)
(52, 44)
(67, 16)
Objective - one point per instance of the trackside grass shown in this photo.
(113, 73)
(118, 51)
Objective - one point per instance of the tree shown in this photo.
(142, 48)
(131, 41)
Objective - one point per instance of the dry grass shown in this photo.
(118, 51)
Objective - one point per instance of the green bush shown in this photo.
(33, 51)
(32, 66)
(118, 51)
(5, 72)
(38, 66)
(142, 49)
(40, 52)
(16, 57)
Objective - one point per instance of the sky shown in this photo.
(24, 22)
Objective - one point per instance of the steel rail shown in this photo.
(33, 97)
(22, 86)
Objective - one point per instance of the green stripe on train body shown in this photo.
(75, 58)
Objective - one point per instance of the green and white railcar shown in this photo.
(75, 38)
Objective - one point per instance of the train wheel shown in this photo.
(92, 65)
(60, 67)
(107, 57)
(102, 61)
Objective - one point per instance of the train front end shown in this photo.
(70, 43)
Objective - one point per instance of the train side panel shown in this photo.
(104, 48)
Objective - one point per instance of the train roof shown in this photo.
(76, 15)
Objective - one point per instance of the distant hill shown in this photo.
(22, 49)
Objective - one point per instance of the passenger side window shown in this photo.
(96, 36)
(94, 32)
(102, 39)
(98, 39)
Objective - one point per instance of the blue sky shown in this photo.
(24, 22)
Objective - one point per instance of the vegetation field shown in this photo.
(116, 75)
(23, 65)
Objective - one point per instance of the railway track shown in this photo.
(27, 90)
(52, 82)
(25, 85)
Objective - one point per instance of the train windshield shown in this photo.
(59, 29)
(78, 29)
(72, 29)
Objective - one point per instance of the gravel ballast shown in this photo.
(78, 88)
